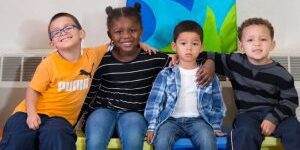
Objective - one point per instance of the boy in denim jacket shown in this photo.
(176, 107)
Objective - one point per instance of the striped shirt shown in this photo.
(124, 86)
(267, 86)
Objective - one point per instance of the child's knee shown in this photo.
(56, 127)
(246, 131)
(163, 141)
(16, 123)
(19, 140)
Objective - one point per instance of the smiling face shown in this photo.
(125, 32)
(65, 34)
(187, 46)
(256, 42)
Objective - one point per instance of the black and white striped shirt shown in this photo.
(124, 86)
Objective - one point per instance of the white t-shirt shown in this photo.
(186, 105)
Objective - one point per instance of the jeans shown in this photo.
(100, 125)
(55, 133)
(246, 134)
(198, 130)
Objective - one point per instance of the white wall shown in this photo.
(284, 15)
(24, 23)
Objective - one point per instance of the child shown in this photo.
(56, 92)
(176, 107)
(264, 91)
(121, 84)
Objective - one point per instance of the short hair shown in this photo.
(188, 26)
(63, 14)
(255, 21)
(115, 13)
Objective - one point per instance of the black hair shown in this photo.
(255, 21)
(115, 13)
(188, 26)
(63, 14)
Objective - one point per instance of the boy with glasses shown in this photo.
(45, 119)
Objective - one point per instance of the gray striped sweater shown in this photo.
(267, 86)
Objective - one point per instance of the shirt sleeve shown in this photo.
(218, 107)
(166, 61)
(42, 77)
(155, 100)
(91, 95)
(223, 62)
(99, 52)
(96, 83)
(288, 102)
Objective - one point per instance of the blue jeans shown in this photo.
(55, 133)
(198, 130)
(100, 125)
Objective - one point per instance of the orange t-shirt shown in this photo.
(63, 85)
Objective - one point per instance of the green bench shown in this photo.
(270, 143)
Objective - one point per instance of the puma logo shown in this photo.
(83, 72)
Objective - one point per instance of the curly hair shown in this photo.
(255, 21)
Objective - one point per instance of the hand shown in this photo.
(206, 73)
(148, 48)
(33, 121)
(267, 127)
(174, 60)
(150, 135)
(220, 133)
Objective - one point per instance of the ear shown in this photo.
(142, 32)
(173, 45)
(273, 45)
(82, 34)
(52, 45)
(108, 34)
(202, 46)
(240, 47)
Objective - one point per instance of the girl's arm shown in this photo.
(90, 98)
(33, 119)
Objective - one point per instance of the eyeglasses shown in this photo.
(59, 32)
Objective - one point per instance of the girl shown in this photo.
(121, 84)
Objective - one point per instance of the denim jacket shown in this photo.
(163, 96)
